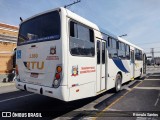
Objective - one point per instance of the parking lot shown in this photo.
(139, 99)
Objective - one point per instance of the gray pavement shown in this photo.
(138, 95)
(144, 98)
(5, 84)
(153, 69)
(2, 76)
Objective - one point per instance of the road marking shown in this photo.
(155, 75)
(152, 79)
(148, 88)
(157, 99)
(16, 97)
(113, 109)
(127, 88)
(99, 114)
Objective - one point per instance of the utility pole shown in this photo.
(152, 52)
(75, 2)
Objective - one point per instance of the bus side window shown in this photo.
(73, 29)
(103, 53)
(138, 54)
(81, 40)
(98, 52)
(113, 48)
(91, 35)
(121, 50)
(127, 52)
(109, 41)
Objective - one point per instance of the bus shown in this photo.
(62, 55)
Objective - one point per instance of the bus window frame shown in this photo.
(60, 30)
(84, 25)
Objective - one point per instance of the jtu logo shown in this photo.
(34, 65)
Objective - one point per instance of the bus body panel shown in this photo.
(45, 63)
(37, 65)
(126, 76)
(82, 91)
(60, 93)
(138, 68)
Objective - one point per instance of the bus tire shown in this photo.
(118, 83)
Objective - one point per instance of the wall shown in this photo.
(8, 39)
(6, 59)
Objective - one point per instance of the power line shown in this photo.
(75, 2)
(93, 15)
(150, 48)
(149, 43)
(154, 52)
(123, 35)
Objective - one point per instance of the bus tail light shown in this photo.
(57, 76)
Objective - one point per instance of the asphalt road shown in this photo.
(136, 96)
(22, 101)
(14, 100)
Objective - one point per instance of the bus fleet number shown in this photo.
(33, 56)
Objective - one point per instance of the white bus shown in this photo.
(64, 56)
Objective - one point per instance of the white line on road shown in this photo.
(157, 100)
(16, 97)
(152, 79)
(148, 88)
(127, 88)
(113, 109)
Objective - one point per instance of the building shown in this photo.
(157, 60)
(8, 40)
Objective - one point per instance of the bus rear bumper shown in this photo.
(62, 92)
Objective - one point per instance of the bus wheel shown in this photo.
(118, 83)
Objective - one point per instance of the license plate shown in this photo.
(34, 75)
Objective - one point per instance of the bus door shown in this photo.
(144, 63)
(101, 65)
(132, 64)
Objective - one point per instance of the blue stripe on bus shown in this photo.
(120, 65)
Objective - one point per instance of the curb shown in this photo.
(7, 84)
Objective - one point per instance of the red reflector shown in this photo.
(77, 90)
(57, 76)
(74, 85)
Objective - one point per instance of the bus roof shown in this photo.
(125, 41)
(87, 23)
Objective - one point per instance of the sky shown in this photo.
(139, 19)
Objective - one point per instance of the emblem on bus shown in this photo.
(18, 54)
(34, 65)
(53, 50)
(74, 70)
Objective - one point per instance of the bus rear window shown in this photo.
(41, 28)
